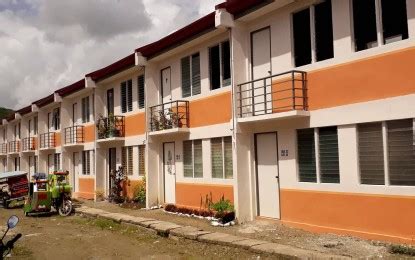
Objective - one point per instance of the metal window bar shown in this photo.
(14, 146)
(47, 140)
(112, 126)
(273, 94)
(28, 144)
(3, 148)
(74, 134)
(174, 114)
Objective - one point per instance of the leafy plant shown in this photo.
(223, 205)
(402, 250)
(140, 192)
(166, 120)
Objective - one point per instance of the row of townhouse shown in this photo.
(301, 111)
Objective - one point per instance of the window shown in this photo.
(141, 160)
(306, 155)
(371, 162)
(56, 122)
(126, 96)
(140, 93)
(17, 163)
(315, 21)
(57, 161)
(85, 110)
(86, 162)
(329, 155)
(35, 125)
(127, 160)
(190, 75)
(220, 65)
(192, 159)
(391, 15)
(35, 163)
(397, 138)
(29, 127)
(221, 153)
(401, 152)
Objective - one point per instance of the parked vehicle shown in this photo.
(47, 192)
(6, 248)
(14, 188)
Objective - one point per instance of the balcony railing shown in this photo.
(112, 126)
(169, 115)
(28, 144)
(14, 147)
(47, 140)
(74, 135)
(3, 148)
(274, 94)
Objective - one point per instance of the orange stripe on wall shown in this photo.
(378, 77)
(381, 217)
(89, 133)
(135, 124)
(58, 139)
(86, 188)
(211, 110)
(191, 194)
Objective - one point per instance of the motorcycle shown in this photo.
(6, 248)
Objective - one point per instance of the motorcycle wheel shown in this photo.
(66, 208)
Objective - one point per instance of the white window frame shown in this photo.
(379, 25)
(193, 159)
(223, 159)
(220, 64)
(191, 74)
(86, 110)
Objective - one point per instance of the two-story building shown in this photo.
(300, 111)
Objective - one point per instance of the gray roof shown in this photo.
(12, 174)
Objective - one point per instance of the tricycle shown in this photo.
(13, 188)
(47, 192)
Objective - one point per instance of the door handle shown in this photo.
(277, 177)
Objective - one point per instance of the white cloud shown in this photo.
(48, 44)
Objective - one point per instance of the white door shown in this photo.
(166, 85)
(169, 168)
(74, 114)
(267, 175)
(261, 68)
(76, 168)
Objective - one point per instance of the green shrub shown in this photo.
(223, 205)
(402, 250)
(140, 192)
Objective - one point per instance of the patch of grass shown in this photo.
(106, 224)
(402, 250)
(22, 252)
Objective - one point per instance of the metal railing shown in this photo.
(112, 126)
(174, 114)
(277, 93)
(14, 146)
(28, 144)
(3, 148)
(47, 140)
(74, 134)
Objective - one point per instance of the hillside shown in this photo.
(4, 112)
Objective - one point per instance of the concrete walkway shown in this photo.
(168, 229)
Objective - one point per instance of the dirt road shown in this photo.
(74, 237)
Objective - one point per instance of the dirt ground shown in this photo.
(75, 237)
(271, 231)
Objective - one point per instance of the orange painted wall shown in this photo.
(130, 186)
(378, 77)
(89, 133)
(86, 188)
(211, 110)
(58, 139)
(390, 218)
(135, 124)
(189, 194)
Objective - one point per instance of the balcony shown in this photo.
(169, 118)
(74, 136)
(14, 147)
(47, 141)
(28, 144)
(3, 149)
(111, 128)
(275, 97)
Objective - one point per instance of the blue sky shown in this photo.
(48, 44)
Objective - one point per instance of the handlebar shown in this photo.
(10, 243)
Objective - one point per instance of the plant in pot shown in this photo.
(102, 128)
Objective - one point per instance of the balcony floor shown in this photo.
(172, 131)
(274, 116)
